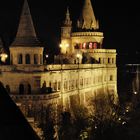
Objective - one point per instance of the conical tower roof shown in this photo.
(87, 19)
(26, 35)
(13, 125)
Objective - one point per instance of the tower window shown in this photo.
(111, 77)
(35, 59)
(108, 60)
(20, 59)
(41, 60)
(28, 59)
(113, 60)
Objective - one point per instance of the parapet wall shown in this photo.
(87, 34)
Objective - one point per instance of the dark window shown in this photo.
(108, 60)
(41, 60)
(35, 59)
(111, 77)
(28, 59)
(29, 89)
(20, 59)
(21, 89)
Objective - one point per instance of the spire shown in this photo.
(26, 33)
(87, 20)
(67, 21)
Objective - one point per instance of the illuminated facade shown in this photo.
(85, 69)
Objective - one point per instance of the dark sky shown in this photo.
(119, 20)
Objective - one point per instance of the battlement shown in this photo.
(100, 34)
(77, 66)
(104, 51)
(42, 68)
(17, 98)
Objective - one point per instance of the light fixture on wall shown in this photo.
(3, 55)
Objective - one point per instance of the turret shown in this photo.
(66, 34)
(26, 49)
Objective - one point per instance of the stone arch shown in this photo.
(27, 59)
(26, 87)
(29, 89)
(21, 89)
(44, 88)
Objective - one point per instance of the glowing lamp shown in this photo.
(67, 45)
(3, 57)
(47, 55)
(64, 45)
(78, 55)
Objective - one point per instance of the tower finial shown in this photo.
(67, 21)
(87, 19)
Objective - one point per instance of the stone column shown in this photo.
(32, 58)
(23, 61)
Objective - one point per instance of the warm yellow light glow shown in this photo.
(123, 123)
(47, 55)
(78, 55)
(60, 45)
(3, 56)
(119, 119)
(64, 45)
(67, 45)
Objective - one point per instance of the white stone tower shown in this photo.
(66, 34)
(26, 49)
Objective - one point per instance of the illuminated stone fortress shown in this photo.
(82, 70)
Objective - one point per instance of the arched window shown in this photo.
(21, 89)
(27, 58)
(41, 60)
(108, 60)
(20, 59)
(29, 89)
(35, 59)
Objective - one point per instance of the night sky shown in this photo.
(119, 20)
